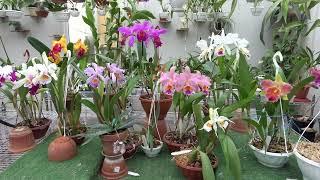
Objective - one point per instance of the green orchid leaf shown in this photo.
(207, 170)
(314, 26)
(90, 105)
(38, 45)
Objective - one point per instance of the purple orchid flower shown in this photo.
(155, 34)
(126, 32)
(116, 73)
(95, 74)
(2, 81)
(34, 89)
(142, 31)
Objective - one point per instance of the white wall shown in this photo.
(41, 28)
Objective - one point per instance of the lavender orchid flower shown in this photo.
(95, 74)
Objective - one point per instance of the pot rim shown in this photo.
(269, 153)
(157, 148)
(309, 161)
(143, 98)
(44, 125)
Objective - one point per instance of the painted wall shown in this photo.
(16, 42)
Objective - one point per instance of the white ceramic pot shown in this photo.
(3, 13)
(75, 13)
(164, 16)
(310, 169)
(61, 16)
(14, 15)
(273, 160)
(256, 11)
(154, 152)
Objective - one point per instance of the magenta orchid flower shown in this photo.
(126, 32)
(315, 72)
(155, 34)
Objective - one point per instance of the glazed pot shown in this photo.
(193, 173)
(40, 131)
(152, 152)
(273, 160)
(108, 140)
(21, 139)
(310, 169)
(61, 16)
(61, 149)
(114, 166)
(173, 147)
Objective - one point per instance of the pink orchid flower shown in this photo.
(315, 72)
(274, 90)
(95, 74)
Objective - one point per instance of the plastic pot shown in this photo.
(154, 151)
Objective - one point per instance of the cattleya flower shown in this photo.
(47, 71)
(315, 72)
(107, 75)
(7, 73)
(221, 45)
(274, 90)
(80, 48)
(142, 32)
(215, 121)
(57, 47)
(186, 82)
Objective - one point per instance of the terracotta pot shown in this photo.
(59, 1)
(131, 151)
(238, 124)
(21, 139)
(108, 140)
(61, 149)
(193, 173)
(40, 131)
(303, 93)
(165, 105)
(173, 147)
(114, 167)
(42, 13)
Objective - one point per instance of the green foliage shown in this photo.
(207, 170)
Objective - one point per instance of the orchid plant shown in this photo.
(187, 88)
(271, 113)
(64, 57)
(25, 86)
(144, 34)
(110, 95)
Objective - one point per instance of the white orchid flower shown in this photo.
(241, 46)
(6, 70)
(29, 74)
(215, 121)
(46, 71)
(206, 50)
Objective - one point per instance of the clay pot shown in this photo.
(173, 147)
(40, 131)
(130, 151)
(78, 139)
(108, 140)
(193, 173)
(238, 124)
(114, 167)
(21, 139)
(42, 13)
(303, 93)
(61, 149)
(165, 105)
(59, 1)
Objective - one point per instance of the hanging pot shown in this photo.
(62, 16)
(61, 149)
(238, 124)
(303, 93)
(114, 166)
(21, 139)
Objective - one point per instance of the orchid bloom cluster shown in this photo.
(35, 76)
(222, 45)
(315, 72)
(7, 74)
(109, 75)
(215, 121)
(60, 46)
(142, 32)
(186, 82)
(274, 90)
